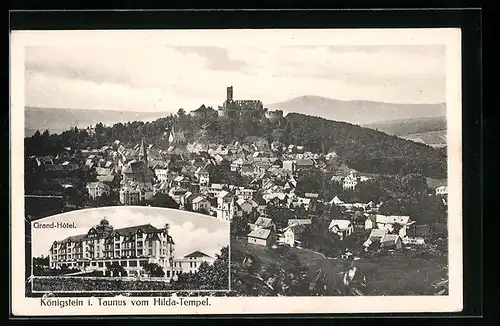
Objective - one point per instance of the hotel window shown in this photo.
(133, 263)
(139, 252)
(123, 263)
(150, 251)
(191, 264)
(117, 246)
(117, 254)
(101, 264)
(139, 244)
(142, 263)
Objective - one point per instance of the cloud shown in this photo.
(162, 78)
(217, 58)
(190, 231)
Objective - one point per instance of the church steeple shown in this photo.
(143, 155)
(171, 137)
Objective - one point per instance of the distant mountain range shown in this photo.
(398, 119)
(358, 112)
(432, 138)
(404, 127)
(58, 120)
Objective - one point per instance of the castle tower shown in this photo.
(229, 94)
(143, 155)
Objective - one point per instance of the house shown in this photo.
(308, 204)
(263, 223)
(351, 181)
(337, 178)
(246, 194)
(375, 236)
(161, 187)
(290, 184)
(336, 201)
(216, 189)
(132, 193)
(225, 206)
(200, 203)
(331, 156)
(237, 164)
(263, 237)
(443, 190)
(277, 199)
(97, 189)
(305, 164)
(300, 221)
(245, 206)
(391, 241)
(311, 195)
(343, 228)
(187, 200)
(177, 193)
(191, 262)
(389, 223)
(293, 233)
(261, 209)
(289, 165)
(203, 178)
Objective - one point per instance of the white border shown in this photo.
(22, 306)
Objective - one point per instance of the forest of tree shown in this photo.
(401, 195)
(363, 149)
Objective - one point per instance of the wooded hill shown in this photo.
(362, 149)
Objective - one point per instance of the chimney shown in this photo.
(167, 228)
(230, 93)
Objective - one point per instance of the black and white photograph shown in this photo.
(280, 166)
(121, 249)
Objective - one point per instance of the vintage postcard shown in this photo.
(236, 172)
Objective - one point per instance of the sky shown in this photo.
(166, 78)
(190, 231)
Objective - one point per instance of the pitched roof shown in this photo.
(260, 233)
(97, 184)
(301, 221)
(146, 228)
(342, 224)
(264, 221)
(223, 194)
(305, 162)
(377, 233)
(197, 254)
(198, 199)
(391, 219)
(105, 178)
(241, 201)
(389, 239)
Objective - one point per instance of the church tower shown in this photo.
(143, 153)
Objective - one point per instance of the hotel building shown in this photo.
(191, 263)
(131, 247)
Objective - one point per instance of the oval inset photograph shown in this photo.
(129, 249)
